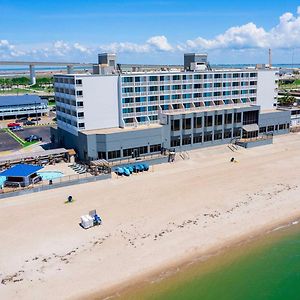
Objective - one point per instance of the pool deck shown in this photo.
(60, 167)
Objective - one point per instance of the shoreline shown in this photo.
(169, 270)
(153, 222)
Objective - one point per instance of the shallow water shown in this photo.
(267, 268)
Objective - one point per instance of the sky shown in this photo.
(150, 31)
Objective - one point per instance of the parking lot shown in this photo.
(42, 131)
(7, 143)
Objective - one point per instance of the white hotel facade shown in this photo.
(123, 109)
(93, 101)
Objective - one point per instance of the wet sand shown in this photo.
(151, 221)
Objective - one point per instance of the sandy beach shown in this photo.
(151, 221)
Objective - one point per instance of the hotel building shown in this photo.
(141, 99)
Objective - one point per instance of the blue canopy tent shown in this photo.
(21, 175)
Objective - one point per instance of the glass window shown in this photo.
(237, 117)
(208, 121)
(197, 122)
(175, 125)
(186, 124)
(218, 120)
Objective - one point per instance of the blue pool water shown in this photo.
(2, 179)
(47, 175)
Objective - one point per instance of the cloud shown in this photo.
(155, 43)
(8, 50)
(284, 35)
(248, 37)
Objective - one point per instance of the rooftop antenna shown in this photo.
(270, 57)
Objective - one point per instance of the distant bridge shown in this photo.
(32, 64)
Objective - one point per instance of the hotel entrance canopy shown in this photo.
(251, 127)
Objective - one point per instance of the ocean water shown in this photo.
(266, 268)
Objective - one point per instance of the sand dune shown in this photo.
(150, 221)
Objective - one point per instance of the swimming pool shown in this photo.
(2, 179)
(48, 175)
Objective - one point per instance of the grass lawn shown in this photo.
(294, 85)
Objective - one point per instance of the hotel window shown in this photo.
(187, 105)
(153, 98)
(187, 96)
(140, 99)
(127, 110)
(176, 87)
(227, 133)
(218, 135)
(237, 117)
(253, 82)
(197, 95)
(235, 75)
(236, 132)
(244, 92)
(139, 89)
(79, 104)
(197, 76)
(152, 108)
(245, 75)
(81, 125)
(235, 83)
(79, 93)
(226, 93)
(114, 154)
(164, 97)
(153, 78)
(186, 86)
(253, 74)
(141, 109)
(153, 118)
(226, 75)
(217, 84)
(186, 140)
(207, 94)
(228, 118)
(175, 125)
(207, 136)
(281, 126)
(127, 100)
(271, 128)
(226, 84)
(176, 77)
(252, 91)
(262, 129)
(80, 115)
(176, 97)
(164, 78)
(244, 83)
(79, 81)
(217, 94)
(197, 138)
(216, 76)
(207, 85)
(237, 92)
(186, 124)
(197, 86)
(197, 122)
(153, 88)
(127, 79)
(155, 148)
(175, 141)
(187, 77)
(208, 121)
(127, 90)
(218, 120)
(207, 76)
(164, 88)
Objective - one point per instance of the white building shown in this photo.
(122, 99)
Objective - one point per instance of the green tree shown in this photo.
(287, 100)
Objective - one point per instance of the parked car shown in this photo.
(36, 119)
(33, 138)
(11, 125)
(28, 123)
(17, 128)
(21, 119)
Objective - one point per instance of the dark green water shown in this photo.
(265, 269)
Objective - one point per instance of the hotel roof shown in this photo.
(21, 170)
(20, 100)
